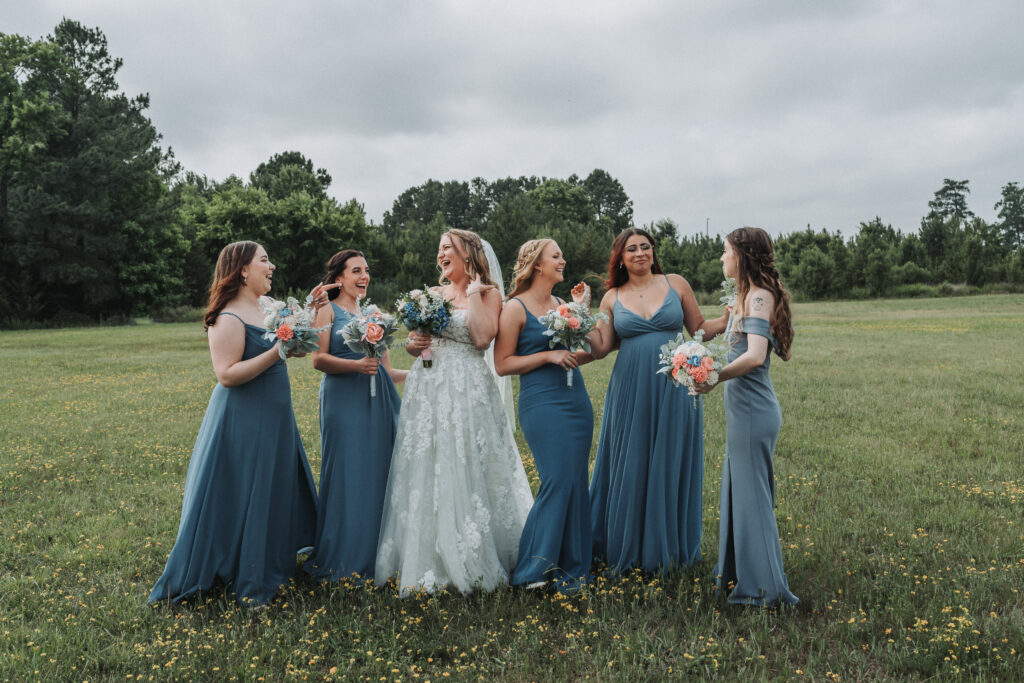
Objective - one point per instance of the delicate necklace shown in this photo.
(638, 290)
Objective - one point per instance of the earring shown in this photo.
(245, 280)
(621, 265)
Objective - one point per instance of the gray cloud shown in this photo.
(776, 114)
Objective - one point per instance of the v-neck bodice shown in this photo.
(668, 318)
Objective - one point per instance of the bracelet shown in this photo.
(475, 291)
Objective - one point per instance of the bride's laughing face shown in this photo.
(451, 259)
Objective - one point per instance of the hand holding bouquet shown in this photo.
(569, 324)
(692, 362)
(291, 325)
(424, 311)
(371, 333)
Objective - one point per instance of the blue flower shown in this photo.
(694, 360)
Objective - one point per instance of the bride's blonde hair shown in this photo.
(529, 254)
(471, 248)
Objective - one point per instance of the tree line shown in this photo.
(99, 221)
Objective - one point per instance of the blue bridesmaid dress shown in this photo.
(749, 554)
(250, 502)
(558, 423)
(648, 474)
(357, 435)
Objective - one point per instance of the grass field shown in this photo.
(900, 480)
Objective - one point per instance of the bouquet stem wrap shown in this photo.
(422, 310)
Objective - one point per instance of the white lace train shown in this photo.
(457, 495)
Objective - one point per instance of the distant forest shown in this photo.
(99, 222)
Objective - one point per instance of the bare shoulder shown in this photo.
(512, 312)
(760, 303)
(679, 283)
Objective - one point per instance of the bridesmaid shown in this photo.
(648, 473)
(357, 433)
(749, 553)
(558, 423)
(250, 502)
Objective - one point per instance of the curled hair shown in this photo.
(617, 274)
(522, 274)
(471, 248)
(755, 259)
(336, 266)
(227, 278)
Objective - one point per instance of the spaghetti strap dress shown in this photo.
(250, 502)
(357, 435)
(558, 423)
(647, 487)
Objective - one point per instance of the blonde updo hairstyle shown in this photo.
(529, 254)
(471, 249)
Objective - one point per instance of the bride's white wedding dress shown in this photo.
(457, 495)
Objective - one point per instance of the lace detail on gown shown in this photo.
(457, 495)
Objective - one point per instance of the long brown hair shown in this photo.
(469, 245)
(227, 277)
(617, 273)
(335, 267)
(755, 259)
(529, 254)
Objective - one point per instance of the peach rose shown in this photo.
(699, 375)
(374, 333)
(708, 363)
(574, 323)
(284, 332)
(563, 311)
(679, 360)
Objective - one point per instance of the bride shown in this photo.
(457, 495)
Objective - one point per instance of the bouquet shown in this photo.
(729, 293)
(570, 324)
(692, 362)
(371, 333)
(291, 325)
(424, 311)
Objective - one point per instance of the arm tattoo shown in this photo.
(758, 303)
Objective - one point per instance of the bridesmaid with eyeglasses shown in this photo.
(646, 490)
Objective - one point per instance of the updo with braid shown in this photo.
(755, 259)
(522, 276)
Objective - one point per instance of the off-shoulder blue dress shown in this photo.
(749, 553)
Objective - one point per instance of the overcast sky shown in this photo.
(771, 113)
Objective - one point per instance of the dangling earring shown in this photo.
(245, 280)
(621, 265)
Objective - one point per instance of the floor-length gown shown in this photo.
(558, 423)
(749, 554)
(357, 435)
(250, 502)
(648, 473)
(457, 495)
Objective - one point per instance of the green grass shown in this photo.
(900, 500)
